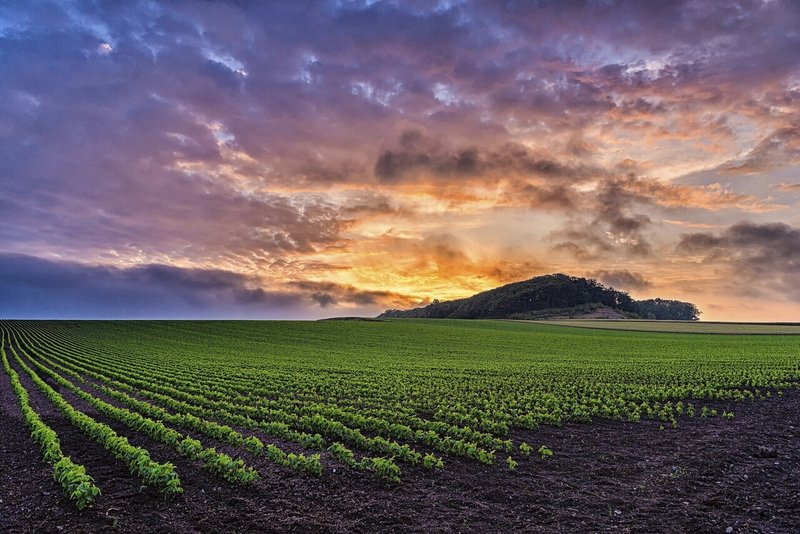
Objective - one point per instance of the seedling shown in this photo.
(512, 465)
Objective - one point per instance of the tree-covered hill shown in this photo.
(550, 295)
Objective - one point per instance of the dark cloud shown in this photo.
(419, 156)
(33, 287)
(583, 242)
(615, 217)
(615, 227)
(328, 294)
(37, 288)
(557, 196)
(623, 225)
(622, 280)
(758, 257)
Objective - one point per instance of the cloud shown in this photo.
(690, 224)
(287, 139)
(33, 287)
(419, 156)
(623, 226)
(622, 279)
(608, 206)
(619, 209)
(787, 188)
(712, 197)
(779, 148)
(328, 294)
(759, 258)
(37, 288)
(583, 242)
(445, 258)
(616, 226)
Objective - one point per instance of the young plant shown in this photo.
(512, 465)
(77, 485)
(430, 461)
(383, 468)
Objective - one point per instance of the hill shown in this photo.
(551, 296)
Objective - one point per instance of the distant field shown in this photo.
(311, 406)
(688, 327)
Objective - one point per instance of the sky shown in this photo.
(266, 160)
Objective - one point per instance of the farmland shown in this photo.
(230, 416)
(686, 327)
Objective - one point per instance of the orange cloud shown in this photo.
(711, 197)
(787, 188)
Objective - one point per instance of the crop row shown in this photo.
(547, 400)
(76, 484)
(161, 476)
(391, 423)
(248, 417)
(406, 391)
(194, 399)
(218, 463)
(552, 412)
(327, 420)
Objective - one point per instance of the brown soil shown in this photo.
(602, 312)
(705, 476)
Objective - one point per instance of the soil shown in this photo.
(708, 475)
(603, 312)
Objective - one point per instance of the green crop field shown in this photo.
(687, 327)
(373, 396)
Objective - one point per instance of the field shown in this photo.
(395, 425)
(686, 327)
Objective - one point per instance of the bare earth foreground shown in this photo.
(705, 476)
